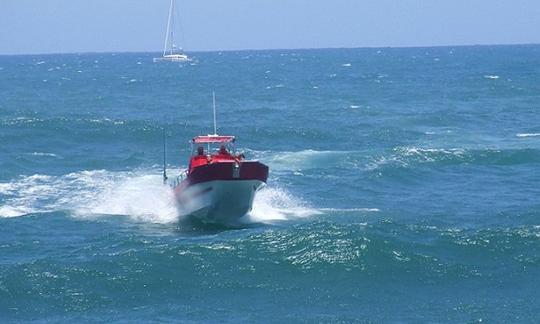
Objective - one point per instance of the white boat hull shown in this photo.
(219, 201)
(173, 58)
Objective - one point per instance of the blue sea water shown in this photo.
(404, 187)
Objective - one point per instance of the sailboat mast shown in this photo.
(169, 30)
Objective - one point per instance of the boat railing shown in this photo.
(181, 177)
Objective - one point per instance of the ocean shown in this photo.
(403, 187)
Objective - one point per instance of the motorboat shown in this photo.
(220, 184)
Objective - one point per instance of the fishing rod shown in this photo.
(164, 157)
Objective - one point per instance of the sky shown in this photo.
(67, 26)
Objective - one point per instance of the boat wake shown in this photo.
(138, 195)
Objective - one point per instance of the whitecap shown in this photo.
(346, 64)
(276, 86)
(10, 211)
(354, 106)
(370, 210)
(43, 154)
(302, 160)
(527, 134)
(6, 188)
(420, 151)
(431, 154)
(493, 77)
(403, 156)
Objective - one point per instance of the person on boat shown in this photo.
(223, 150)
(198, 159)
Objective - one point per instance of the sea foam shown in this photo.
(527, 134)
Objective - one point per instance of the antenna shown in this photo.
(214, 105)
(164, 157)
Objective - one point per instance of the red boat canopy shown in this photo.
(213, 139)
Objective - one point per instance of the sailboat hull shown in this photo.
(173, 58)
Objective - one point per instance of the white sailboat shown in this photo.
(171, 52)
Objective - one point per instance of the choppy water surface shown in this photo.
(403, 187)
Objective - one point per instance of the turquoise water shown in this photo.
(404, 187)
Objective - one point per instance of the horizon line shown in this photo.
(274, 49)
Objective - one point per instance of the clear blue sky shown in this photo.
(57, 26)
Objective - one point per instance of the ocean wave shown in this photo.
(398, 157)
(383, 247)
(407, 157)
(305, 159)
(360, 257)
